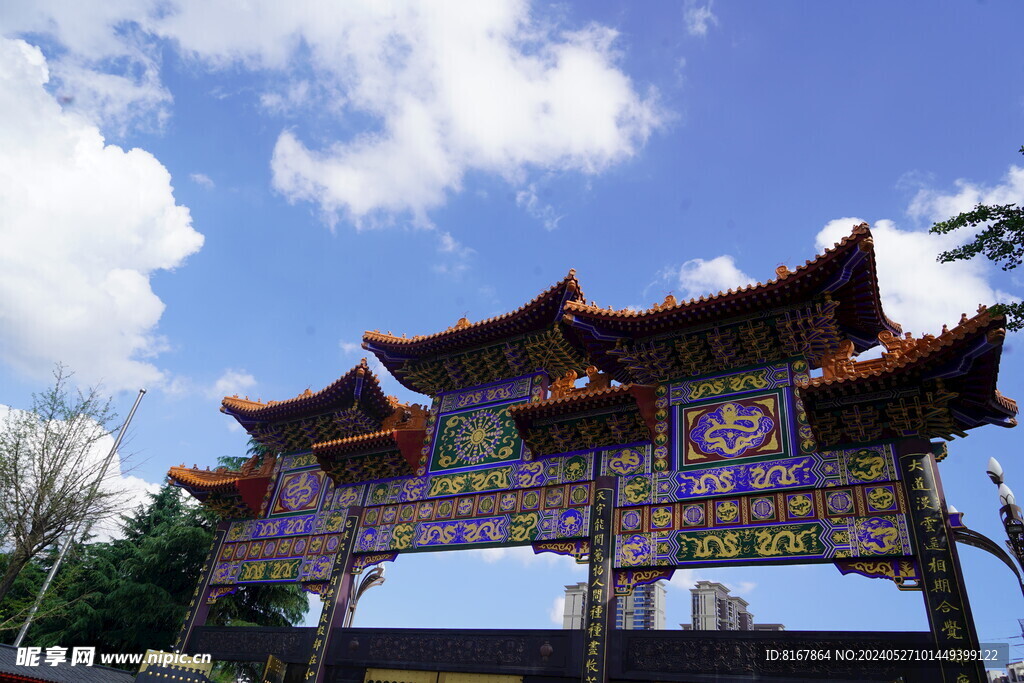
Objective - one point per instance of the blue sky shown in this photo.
(206, 199)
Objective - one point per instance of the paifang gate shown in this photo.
(700, 438)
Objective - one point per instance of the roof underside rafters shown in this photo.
(933, 387)
(354, 404)
(528, 339)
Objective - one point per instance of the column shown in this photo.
(198, 608)
(335, 599)
(949, 613)
(600, 603)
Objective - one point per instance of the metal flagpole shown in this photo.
(74, 531)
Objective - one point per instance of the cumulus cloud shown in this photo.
(131, 491)
(231, 382)
(455, 88)
(84, 225)
(917, 291)
(557, 612)
(698, 277)
(108, 71)
(450, 88)
(698, 17)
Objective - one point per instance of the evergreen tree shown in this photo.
(131, 594)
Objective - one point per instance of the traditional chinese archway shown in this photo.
(700, 439)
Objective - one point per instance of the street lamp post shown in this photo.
(1013, 521)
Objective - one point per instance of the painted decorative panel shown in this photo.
(502, 391)
(754, 427)
(562, 469)
(473, 428)
(766, 378)
(826, 469)
(297, 461)
(548, 513)
(822, 539)
(299, 491)
(298, 547)
(771, 508)
(622, 462)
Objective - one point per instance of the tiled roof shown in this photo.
(922, 351)
(61, 673)
(581, 398)
(384, 437)
(751, 295)
(500, 325)
(309, 402)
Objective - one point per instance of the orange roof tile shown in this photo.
(860, 236)
(463, 326)
(924, 348)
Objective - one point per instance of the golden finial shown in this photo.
(782, 271)
(462, 323)
(669, 302)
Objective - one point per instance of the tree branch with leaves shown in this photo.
(1001, 240)
(50, 466)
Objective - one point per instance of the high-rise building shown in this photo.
(575, 608)
(713, 609)
(643, 610)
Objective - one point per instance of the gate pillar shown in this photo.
(199, 607)
(945, 598)
(336, 598)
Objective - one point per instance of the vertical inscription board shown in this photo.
(600, 586)
(949, 613)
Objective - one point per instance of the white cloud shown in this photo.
(698, 277)
(454, 256)
(131, 491)
(453, 87)
(84, 225)
(348, 347)
(527, 199)
(698, 18)
(917, 291)
(685, 579)
(525, 556)
(231, 382)
(202, 180)
(108, 71)
(557, 612)
(933, 206)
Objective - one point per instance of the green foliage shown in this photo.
(235, 462)
(1001, 240)
(49, 481)
(131, 594)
